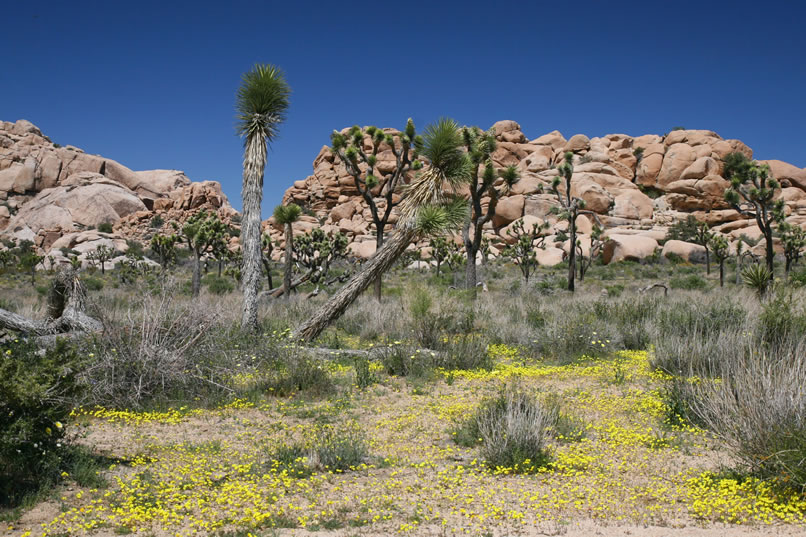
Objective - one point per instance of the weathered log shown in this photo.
(66, 304)
(663, 286)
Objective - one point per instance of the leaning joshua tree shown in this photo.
(261, 103)
(570, 209)
(751, 192)
(482, 182)
(286, 215)
(425, 210)
(374, 177)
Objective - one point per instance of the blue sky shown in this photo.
(152, 84)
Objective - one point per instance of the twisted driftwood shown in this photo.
(66, 304)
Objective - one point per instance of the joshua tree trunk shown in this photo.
(373, 268)
(471, 249)
(738, 269)
(378, 246)
(707, 261)
(770, 253)
(196, 273)
(252, 195)
(722, 273)
(787, 266)
(572, 253)
(267, 266)
(289, 249)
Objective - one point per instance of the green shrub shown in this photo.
(464, 352)
(156, 221)
(93, 284)
(364, 377)
(428, 326)
(105, 227)
(691, 282)
(218, 285)
(338, 448)
(38, 390)
(780, 322)
(299, 372)
(403, 361)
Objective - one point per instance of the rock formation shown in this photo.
(57, 197)
(634, 185)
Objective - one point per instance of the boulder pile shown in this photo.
(635, 186)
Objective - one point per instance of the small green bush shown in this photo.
(93, 284)
(338, 448)
(218, 285)
(156, 221)
(105, 227)
(38, 390)
(299, 372)
(691, 282)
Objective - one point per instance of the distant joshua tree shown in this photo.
(286, 215)
(362, 165)
(751, 192)
(482, 182)
(261, 105)
(719, 245)
(570, 207)
(203, 232)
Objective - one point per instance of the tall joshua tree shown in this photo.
(482, 182)
(719, 245)
(425, 210)
(261, 104)
(286, 215)
(751, 192)
(570, 209)
(373, 177)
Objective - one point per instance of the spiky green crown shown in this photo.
(261, 102)
(287, 214)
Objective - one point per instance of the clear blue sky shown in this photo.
(152, 84)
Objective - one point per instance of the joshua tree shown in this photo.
(719, 245)
(793, 239)
(571, 207)
(101, 255)
(524, 250)
(751, 192)
(703, 236)
(268, 248)
(203, 232)
(482, 179)
(425, 211)
(28, 259)
(261, 105)
(373, 179)
(164, 247)
(6, 257)
(439, 250)
(638, 153)
(316, 251)
(286, 215)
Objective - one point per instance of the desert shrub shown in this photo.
(780, 322)
(404, 361)
(700, 319)
(575, 333)
(289, 458)
(798, 278)
(514, 428)
(364, 377)
(690, 282)
(105, 227)
(156, 221)
(759, 409)
(337, 448)
(464, 352)
(218, 285)
(93, 284)
(298, 371)
(428, 325)
(162, 349)
(38, 392)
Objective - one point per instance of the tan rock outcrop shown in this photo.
(628, 248)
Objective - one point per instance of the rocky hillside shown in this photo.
(57, 196)
(633, 193)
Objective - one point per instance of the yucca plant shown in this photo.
(757, 277)
(426, 210)
(261, 104)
